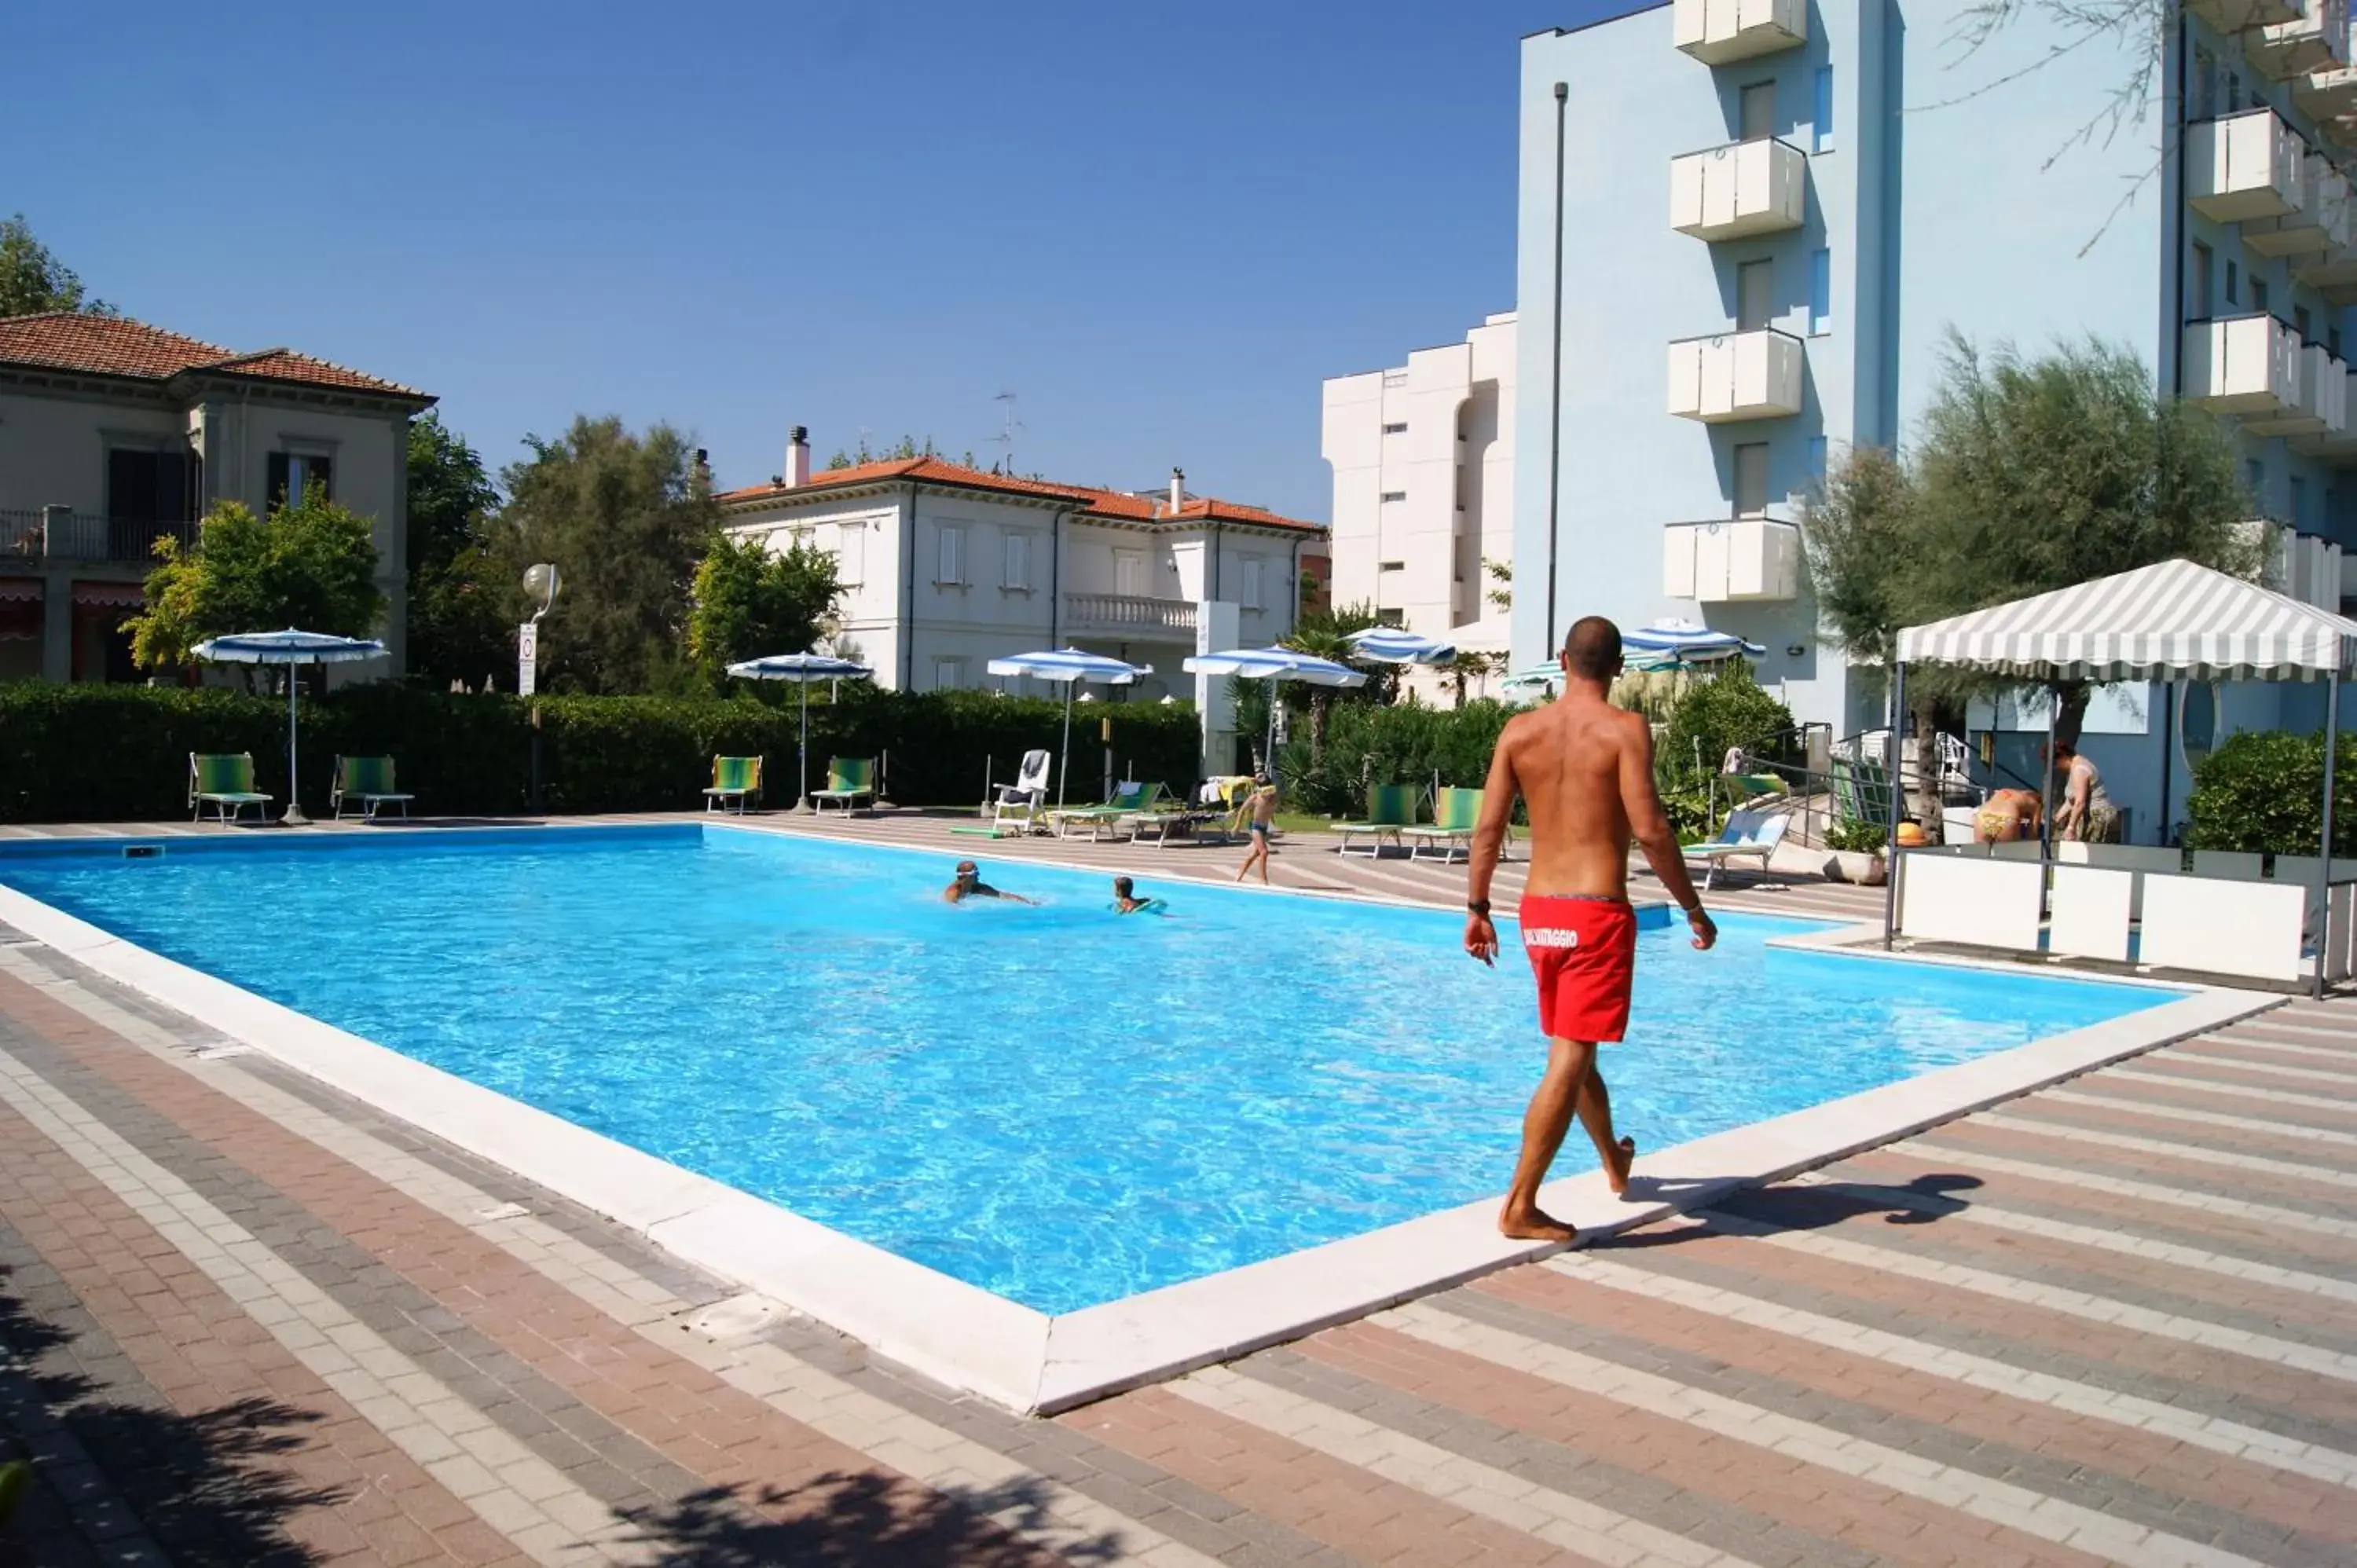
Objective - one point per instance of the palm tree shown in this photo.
(1469, 666)
(1327, 635)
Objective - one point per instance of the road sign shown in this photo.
(527, 658)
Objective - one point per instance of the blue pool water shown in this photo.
(1057, 1104)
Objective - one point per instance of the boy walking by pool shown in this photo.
(1261, 807)
(1585, 768)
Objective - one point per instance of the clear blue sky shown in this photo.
(1159, 225)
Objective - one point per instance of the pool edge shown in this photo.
(1033, 1362)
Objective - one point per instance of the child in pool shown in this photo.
(1126, 902)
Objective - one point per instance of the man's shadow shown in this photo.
(1794, 1207)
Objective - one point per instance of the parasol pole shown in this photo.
(1064, 765)
(294, 817)
(802, 753)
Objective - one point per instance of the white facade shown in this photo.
(945, 568)
(1424, 479)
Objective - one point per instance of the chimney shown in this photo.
(797, 457)
(1178, 490)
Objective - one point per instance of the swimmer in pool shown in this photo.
(1126, 902)
(969, 884)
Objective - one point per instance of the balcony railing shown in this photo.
(2315, 39)
(2319, 405)
(1129, 613)
(2244, 165)
(57, 534)
(2245, 364)
(1735, 375)
(2230, 17)
(2319, 223)
(1717, 31)
(1744, 187)
(1731, 559)
(2327, 95)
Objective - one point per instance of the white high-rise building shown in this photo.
(1424, 480)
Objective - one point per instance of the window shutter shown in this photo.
(1251, 585)
(1019, 561)
(952, 554)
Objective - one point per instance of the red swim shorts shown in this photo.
(1584, 951)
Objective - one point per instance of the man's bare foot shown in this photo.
(1533, 1225)
(1616, 1172)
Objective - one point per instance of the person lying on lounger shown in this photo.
(970, 885)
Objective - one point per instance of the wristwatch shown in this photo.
(1478, 905)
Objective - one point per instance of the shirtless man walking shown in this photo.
(1585, 770)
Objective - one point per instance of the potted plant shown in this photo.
(1857, 853)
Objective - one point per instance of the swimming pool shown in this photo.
(1060, 1106)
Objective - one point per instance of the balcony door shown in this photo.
(1752, 480)
(148, 492)
(1754, 287)
(1755, 110)
(1129, 573)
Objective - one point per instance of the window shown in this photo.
(1756, 109)
(1390, 566)
(1816, 456)
(949, 675)
(1395, 429)
(293, 473)
(2205, 83)
(1752, 480)
(2234, 284)
(1755, 285)
(148, 486)
(1821, 291)
(2298, 501)
(1129, 573)
(1251, 598)
(2204, 263)
(950, 570)
(2299, 321)
(1823, 141)
(1018, 562)
(1390, 496)
(2258, 293)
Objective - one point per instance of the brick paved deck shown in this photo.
(247, 1321)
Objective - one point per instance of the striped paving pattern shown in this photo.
(245, 1320)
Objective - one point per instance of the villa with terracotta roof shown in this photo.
(114, 434)
(947, 567)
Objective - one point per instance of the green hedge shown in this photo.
(121, 753)
(2263, 790)
(1400, 745)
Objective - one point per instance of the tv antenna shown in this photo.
(1009, 423)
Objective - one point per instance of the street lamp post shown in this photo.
(540, 582)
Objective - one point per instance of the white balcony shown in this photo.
(2320, 399)
(2319, 223)
(1735, 375)
(2245, 165)
(1744, 187)
(2315, 39)
(1133, 614)
(1717, 31)
(2233, 15)
(1731, 560)
(2332, 274)
(2246, 364)
(2326, 95)
(2337, 440)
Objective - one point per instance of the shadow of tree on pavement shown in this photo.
(864, 1521)
(202, 1486)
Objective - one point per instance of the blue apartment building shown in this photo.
(1749, 229)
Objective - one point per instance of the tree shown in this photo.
(1327, 635)
(1469, 666)
(625, 518)
(32, 280)
(311, 565)
(460, 599)
(748, 602)
(1501, 572)
(900, 452)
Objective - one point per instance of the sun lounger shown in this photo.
(1748, 835)
(1129, 798)
(849, 781)
(369, 781)
(1391, 811)
(1020, 805)
(736, 782)
(1454, 810)
(223, 780)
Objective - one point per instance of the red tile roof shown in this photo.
(116, 346)
(1097, 501)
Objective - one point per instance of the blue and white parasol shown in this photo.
(1070, 666)
(801, 669)
(1395, 645)
(1687, 642)
(289, 647)
(1275, 664)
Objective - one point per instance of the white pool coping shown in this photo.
(1030, 1362)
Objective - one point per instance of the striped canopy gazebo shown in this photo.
(2170, 621)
